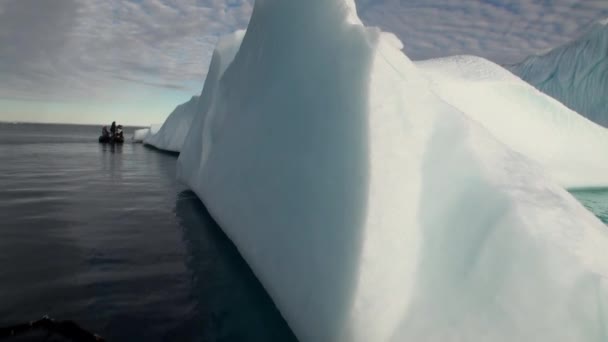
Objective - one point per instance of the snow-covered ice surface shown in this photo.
(575, 73)
(171, 136)
(571, 148)
(370, 208)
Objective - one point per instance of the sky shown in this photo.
(133, 61)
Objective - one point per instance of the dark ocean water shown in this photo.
(105, 236)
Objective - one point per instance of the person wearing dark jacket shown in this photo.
(113, 128)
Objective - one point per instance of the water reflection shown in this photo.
(40, 257)
(229, 302)
(103, 235)
(112, 148)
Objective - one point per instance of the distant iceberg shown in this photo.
(373, 206)
(171, 135)
(575, 73)
(141, 134)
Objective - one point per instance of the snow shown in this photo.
(171, 135)
(371, 208)
(572, 149)
(576, 73)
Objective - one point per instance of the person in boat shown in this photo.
(105, 135)
(119, 134)
(113, 128)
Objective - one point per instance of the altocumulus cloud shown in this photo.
(504, 31)
(70, 49)
(67, 49)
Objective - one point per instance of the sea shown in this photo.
(106, 237)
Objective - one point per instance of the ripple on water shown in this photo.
(107, 237)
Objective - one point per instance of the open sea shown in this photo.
(105, 236)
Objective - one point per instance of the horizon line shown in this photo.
(2, 121)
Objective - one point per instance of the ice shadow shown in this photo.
(293, 195)
(230, 304)
(460, 213)
(156, 149)
(482, 263)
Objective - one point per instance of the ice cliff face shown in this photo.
(199, 134)
(372, 207)
(172, 133)
(576, 73)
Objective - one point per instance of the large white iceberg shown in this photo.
(575, 73)
(372, 210)
(571, 148)
(171, 135)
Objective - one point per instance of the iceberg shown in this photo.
(154, 128)
(171, 135)
(140, 134)
(373, 208)
(576, 73)
(174, 131)
(572, 149)
(190, 158)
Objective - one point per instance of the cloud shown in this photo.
(71, 49)
(65, 50)
(154, 84)
(32, 41)
(502, 30)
